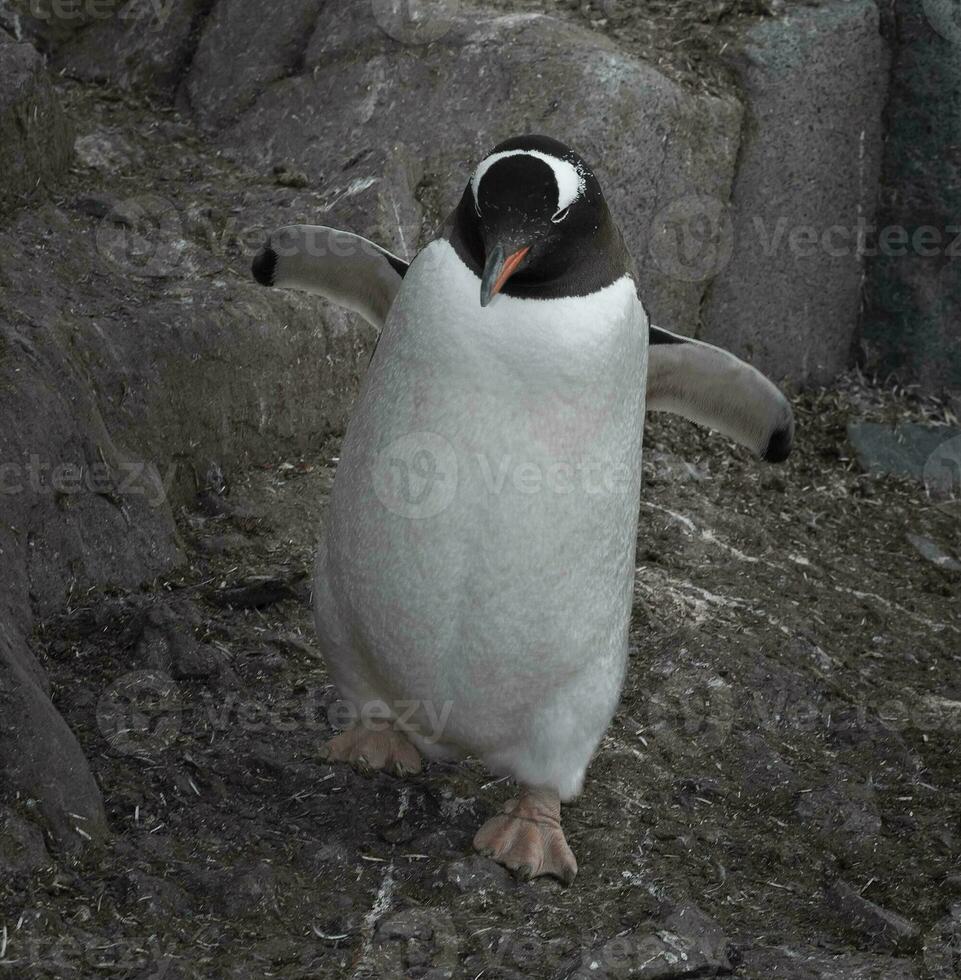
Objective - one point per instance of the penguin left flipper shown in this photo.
(712, 387)
(342, 267)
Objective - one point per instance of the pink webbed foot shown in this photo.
(370, 749)
(527, 837)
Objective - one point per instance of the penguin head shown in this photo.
(533, 223)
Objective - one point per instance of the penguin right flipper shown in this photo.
(344, 268)
(712, 387)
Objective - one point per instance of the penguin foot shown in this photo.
(370, 749)
(527, 837)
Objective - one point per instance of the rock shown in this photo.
(912, 292)
(684, 944)
(885, 929)
(364, 110)
(260, 56)
(933, 552)
(813, 85)
(39, 755)
(22, 850)
(477, 874)
(35, 135)
(923, 452)
(138, 46)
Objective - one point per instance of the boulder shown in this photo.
(139, 45)
(36, 140)
(40, 758)
(813, 87)
(912, 302)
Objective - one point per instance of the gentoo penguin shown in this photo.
(473, 591)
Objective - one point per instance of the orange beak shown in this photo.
(499, 268)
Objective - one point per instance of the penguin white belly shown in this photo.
(478, 567)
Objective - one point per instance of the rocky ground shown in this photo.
(776, 797)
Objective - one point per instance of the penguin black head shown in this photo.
(533, 223)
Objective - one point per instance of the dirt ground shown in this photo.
(790, 719)
(772, 737)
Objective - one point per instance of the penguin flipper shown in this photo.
(344, 268)
(712, 387)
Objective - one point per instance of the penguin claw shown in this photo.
(527, 838)
(370, 750)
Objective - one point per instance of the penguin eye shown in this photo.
(561, 215)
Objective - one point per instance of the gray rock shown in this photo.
(886, 929)
(35, 135)
(813, 85)
(913, 292)
(39, 755)
(138, 45)
(685, 944)
(22, 850)
(232, 37)
(477, 874)
(909, 449)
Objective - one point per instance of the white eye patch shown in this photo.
(570, 179)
